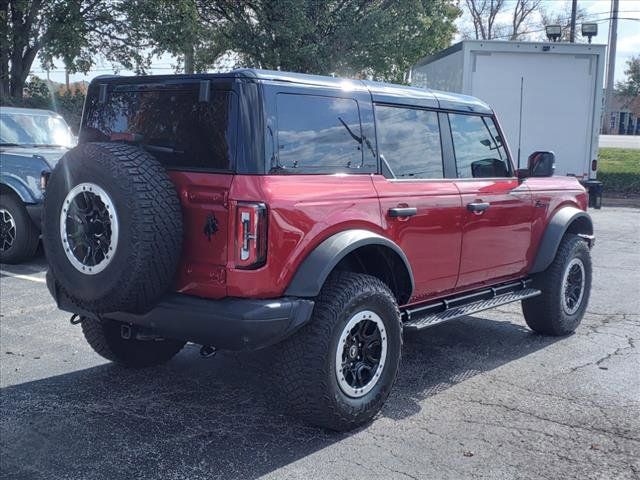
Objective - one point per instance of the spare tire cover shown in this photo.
(112, 227)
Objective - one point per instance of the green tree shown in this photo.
(176, 27)
(379, 38)
(74, 30)
(630, 87)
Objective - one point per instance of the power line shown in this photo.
(587, 16)
(599, 20)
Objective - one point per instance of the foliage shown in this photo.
(376, 38)
(630, 87)
(619, 170)
(175, 26)
(74, 30)
(41, 94)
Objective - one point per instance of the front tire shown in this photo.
(338, 370)
(18, 234)
(104, 336)
(566, 286)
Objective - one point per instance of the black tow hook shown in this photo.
(126, 332)
(75, 319)
(208, 351)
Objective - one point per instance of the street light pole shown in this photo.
(572, 31)
(611, 65)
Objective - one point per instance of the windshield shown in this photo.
(34, 129)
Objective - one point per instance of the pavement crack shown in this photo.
(405, 474)
(619, 351)
(551, 420)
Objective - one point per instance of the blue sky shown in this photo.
(597, 10)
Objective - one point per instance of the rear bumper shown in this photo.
(594, 189)
(227, 324)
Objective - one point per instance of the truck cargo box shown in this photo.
(548, 96)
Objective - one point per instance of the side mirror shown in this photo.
(542, 164)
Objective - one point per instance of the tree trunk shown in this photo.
(4, 49)
(20, 68)
(188, 59)
(22, 54)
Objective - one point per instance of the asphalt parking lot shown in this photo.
(480, 397)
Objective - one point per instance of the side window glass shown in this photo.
(409, 142)
(479, 150)
(496, 138)
(318, 133)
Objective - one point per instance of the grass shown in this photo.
(619, 170)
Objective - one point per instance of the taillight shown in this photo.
(251, 235)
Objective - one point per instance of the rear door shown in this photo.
(496, 230)
(421, 210)
(190, 127)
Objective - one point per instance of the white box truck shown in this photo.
(548, 96)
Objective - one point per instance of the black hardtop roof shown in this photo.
(380, 91)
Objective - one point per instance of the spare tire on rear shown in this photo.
(112, 227)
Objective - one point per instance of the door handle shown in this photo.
(402, 212)
(478, 207)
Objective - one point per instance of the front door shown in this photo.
(421, 210)
(496, 230)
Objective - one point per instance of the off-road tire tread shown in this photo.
(103, 337)
(28, 233)
(302, 369)
(154, 261)
(544, 313)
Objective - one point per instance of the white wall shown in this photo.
(442, 74)
(557, 101)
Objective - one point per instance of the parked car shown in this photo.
(317, 215)
(31, 143)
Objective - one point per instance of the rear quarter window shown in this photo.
(178, 129)
(318, 134)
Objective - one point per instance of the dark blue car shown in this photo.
(31, 143)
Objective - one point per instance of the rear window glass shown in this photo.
(318, 133)
(178, 129)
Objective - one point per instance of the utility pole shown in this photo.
(572, 32)
(611, 65)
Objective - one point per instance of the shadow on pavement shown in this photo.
(38, 264)
(196, 418)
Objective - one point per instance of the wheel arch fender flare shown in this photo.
(316, 267)
(566, 219)
(17, 187)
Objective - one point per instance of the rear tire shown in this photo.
(105, 339)
(338, 370)
(18, 234)
(565, 286)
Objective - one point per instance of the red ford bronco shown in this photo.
(251, 208)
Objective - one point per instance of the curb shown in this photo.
(632, 202)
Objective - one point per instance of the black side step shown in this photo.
(428, 315)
